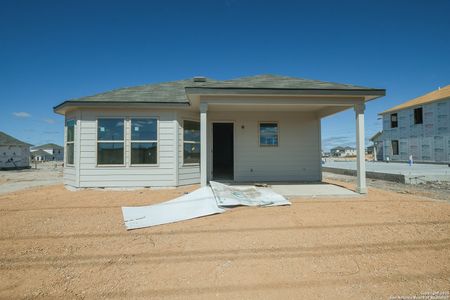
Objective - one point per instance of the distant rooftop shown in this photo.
(342, 148)
(433, 96)
(47, 146)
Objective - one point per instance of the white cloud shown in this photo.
(49, 121)
(21, 114)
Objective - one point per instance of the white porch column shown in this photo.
(375, 151)
(203, 143)
(360, 149)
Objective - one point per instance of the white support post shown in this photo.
(203, 143)
(374, 153)
(360, 150)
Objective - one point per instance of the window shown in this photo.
(418, 115)
(110, 142)
(394, 147)
(268, 134)
(191, 142)
(144, 141)
(70, 141)
(394, 120)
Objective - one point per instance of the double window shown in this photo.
(268, 134)
(144, 141)
(70, 141)
(191, 142)
(110, 141)
(394, 120)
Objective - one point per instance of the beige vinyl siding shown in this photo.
(187, 174)
(69, 176)
(162, 174)
(297, 157)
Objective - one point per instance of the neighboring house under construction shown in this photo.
(14, 154)
(419, 127)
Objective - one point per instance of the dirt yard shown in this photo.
(41, 174)
(433, 190)
(60, 244)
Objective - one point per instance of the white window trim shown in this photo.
(188, 142)
(259, 134)
(71, 142)
(111, 141)
(145, 141)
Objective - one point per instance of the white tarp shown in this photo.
(246, 195)
(196, 204)
(201, 202)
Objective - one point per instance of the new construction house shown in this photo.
(419, 127)
(260, 128)
(14, 154)
(47, 152)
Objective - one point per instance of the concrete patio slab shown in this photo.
(311, 190)
(301, 189)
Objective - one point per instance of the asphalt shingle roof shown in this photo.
(174, 92)
(280, 82)
(6, 139)
(48, 146)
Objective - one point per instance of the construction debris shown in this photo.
(204, 201)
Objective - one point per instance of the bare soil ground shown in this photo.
(41, 174)
(60, 244)
(433, 190)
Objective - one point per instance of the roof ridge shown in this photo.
(10, 139)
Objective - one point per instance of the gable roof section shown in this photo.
(47, 146)
(6, 139)
(174, 92)
(424, 99)
(375, 136)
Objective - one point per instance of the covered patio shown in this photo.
(245, 108)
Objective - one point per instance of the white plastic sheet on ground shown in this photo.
(246, 195)
(201, 202)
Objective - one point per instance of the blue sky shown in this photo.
(51, 51)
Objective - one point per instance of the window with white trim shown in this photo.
(70, 142)
(268, 134)
(144, 141)
(110, 141)
(191, 142)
